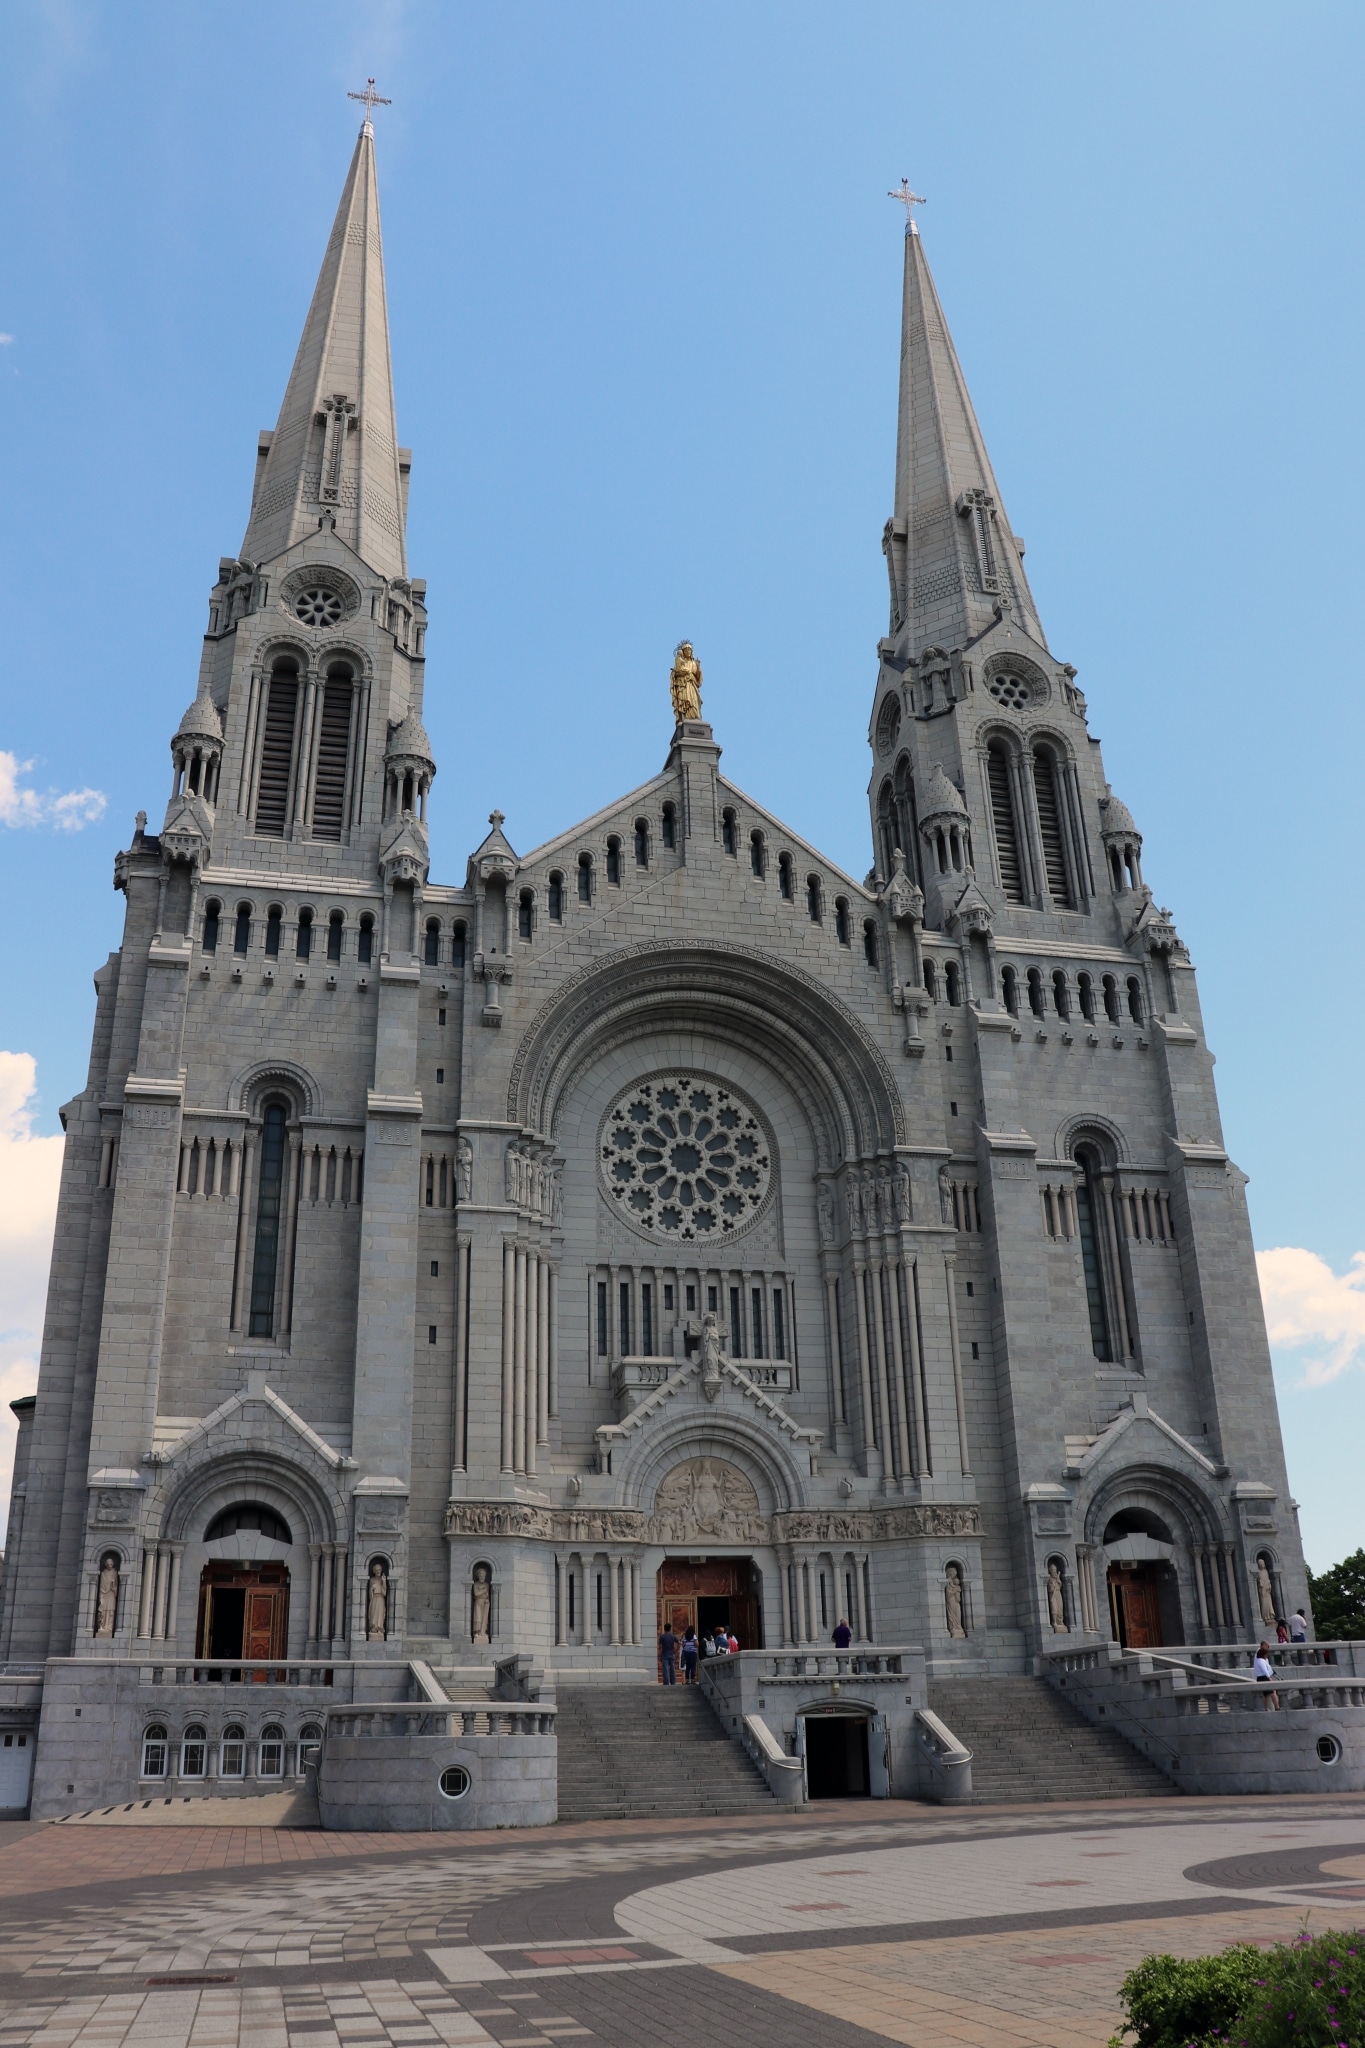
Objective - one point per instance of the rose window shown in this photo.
(684, 1158)
(318, 607)
(1011, 691)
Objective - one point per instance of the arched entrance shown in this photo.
(710, 1593)
(837, 1762)
(244, 1601)
(1144, 1597)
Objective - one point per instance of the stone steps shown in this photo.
(640, 1751)
(1028, 1743)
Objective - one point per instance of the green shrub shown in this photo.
(1308, 1993)
(1338, 1597)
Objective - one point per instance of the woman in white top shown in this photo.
(1264, 1672)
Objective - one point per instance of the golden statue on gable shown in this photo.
(685, 683)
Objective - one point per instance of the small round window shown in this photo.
(318, 607)
(455, 1781)
(1329, 1749)
(1011, 691)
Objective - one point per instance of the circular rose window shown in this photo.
(685, 1158)
(318, 607)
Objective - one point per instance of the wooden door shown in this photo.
(1136, 1594)
(263, 1630)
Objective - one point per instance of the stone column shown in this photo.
(561, 1604)
(509, 1338)
(341, 1621)
(314, 1580)
(532, 1358)
(325, 1618)
(864, 1365)
(144, 1612)
(553, 1379)
(911, 1333)
(1234, 1590)
(519, 1366)
(860, 1602)
(836, 1380)
(543, 1354)
(1197, 1556)
(173, 1591)
(893, 1316)
(865, 1593)
(784, 1582)
(614, 1588)
(950, 1275)
(163, 1564)
(884, 1434)
(462, 1269)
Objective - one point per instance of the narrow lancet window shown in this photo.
(1005, 823)
(1048, 796)
(269, 1209)
(334, 744)
(277, 752)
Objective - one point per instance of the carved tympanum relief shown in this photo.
(709, 1494)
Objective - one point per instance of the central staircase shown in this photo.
(1028, 1743)
(641, 1751)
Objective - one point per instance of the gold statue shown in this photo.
(685, 682)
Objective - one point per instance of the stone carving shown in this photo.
(1056, 1599)
(464, 1171)
(903, 899)
(481, 1604)
(106, 1601)
(685, 683)
(115, 1508)
(1265, 1593)
(854, 1194)
(531, 1184)
(708, 1493)
(377, 1603)
(671, 1523)
(380, 1512)
(711, 1350)
(952, 1603)
(903, 1211)
(824, 1208)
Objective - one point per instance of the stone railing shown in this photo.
(499, 1717)
(945, 1762)
(785, 1775)
(1345, 1656)
(313, 1671)
(1303, 1730)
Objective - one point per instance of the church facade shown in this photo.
(660, 1223)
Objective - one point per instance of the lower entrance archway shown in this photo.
(1140, 1604)
(710, 1593)
(836, 1756)
(243, 1611)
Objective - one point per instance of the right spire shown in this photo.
(953, 559)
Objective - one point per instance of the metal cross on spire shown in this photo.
(370, 98)
(903, 195)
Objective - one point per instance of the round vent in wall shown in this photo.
(685, 1159)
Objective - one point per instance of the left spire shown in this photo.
(334, 459)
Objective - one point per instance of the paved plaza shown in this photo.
(840, 1926)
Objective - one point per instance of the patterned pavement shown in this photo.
(850, 1924)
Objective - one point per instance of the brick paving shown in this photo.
(847, 1925)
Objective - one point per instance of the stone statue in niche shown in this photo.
(824, 1205)
(1056, 1599)
(464, 1171)
(106, 1599)
(685, 683)
(1265, 1593)
(952, 1603)
(481, 1604)
(711, 1349)
(377, 1603)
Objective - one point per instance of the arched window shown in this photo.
(1035, 993)
(336, 926)
(585, 878)
(670, 826)
(274, 925)
(154, 1751)
(194, 1752)
(241, 935)
(814, 904)
(273, 786)
(269, 1205)
(303, 944)
(459, 939)
(212, 912)
(309, 1747)
(1089, 1215)
(1004, 821)
(1135, 999)
(952, 975)
(758, 854)
(1086, 986)
(526, 914)
(364, 951)
(1010, 978)
(554, 898)
(431, 951)
(870, 941)
(729, 835)
(1111, 1000)
(931, 981)
(786, 880)
(334, 746)
(843, 931)
(232, 1751)
(1061, 994)
(270, 1752)
(642, 842)
(614, 862)
(1047, 793)
(886, 829)
(250, 1515)
(907, 826)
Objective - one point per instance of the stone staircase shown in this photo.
(1028, 1743)
(637, 1751)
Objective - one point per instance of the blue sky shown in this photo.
(644, 292)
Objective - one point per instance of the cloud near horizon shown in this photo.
(65, 810)
(30, 1170)
(1311, 1309)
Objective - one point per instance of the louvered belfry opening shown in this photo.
(277, 753)
(1006, 826)
(1050, 828)
(334, 735)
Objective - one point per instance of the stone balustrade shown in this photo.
(499, 1717)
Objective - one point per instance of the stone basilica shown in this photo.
(660, 1223)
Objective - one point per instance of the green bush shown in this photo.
(1338, 1597)
(1308, 1993)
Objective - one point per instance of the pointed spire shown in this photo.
(334, 455)
(954, 561)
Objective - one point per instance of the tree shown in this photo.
(1338, 1597)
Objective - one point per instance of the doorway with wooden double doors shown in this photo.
(243, 1612)
(1140, 1603)
(708, 1593)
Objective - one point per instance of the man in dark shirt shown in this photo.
(843, 1635)
(668, 1654)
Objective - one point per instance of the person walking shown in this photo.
(1263, 1670)
(689, 1656)
(668, 1654)
(843, 1634)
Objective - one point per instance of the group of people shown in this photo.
(1262, 1664)
(691, 1649)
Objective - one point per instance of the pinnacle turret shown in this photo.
(333, 459)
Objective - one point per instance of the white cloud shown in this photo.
(1311, 1309)
(67, 810)
(5, 340)
(30, 1168)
